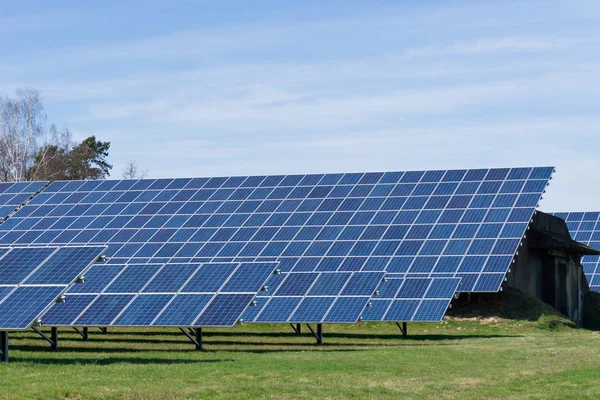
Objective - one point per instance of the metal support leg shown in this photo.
(3, 346)
(198, 338)
(83, 332)
(104, 330)
(53, 339)
(54, 336)
(297, 328)
(195, 338)
(318, 334)
(402, 328)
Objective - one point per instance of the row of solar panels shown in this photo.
(409, 238)
(211, 294)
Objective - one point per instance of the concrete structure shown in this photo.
(548, 266)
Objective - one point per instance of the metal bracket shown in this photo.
(318, 334)
(104, 330)
(297, 328)
(402, 328)
(53, 340)
(83, 332)
(195, 336)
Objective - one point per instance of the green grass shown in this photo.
(469, 356)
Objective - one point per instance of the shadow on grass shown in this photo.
(117, 360)
(140, 337)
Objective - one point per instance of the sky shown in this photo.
(205, 88)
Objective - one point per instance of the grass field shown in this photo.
(538, 355)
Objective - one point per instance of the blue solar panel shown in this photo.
(25, 304)
(101, 312)
(63, 265)
(467, 223)
(13, 195)
(171, 294)
(31, 280)
(63, 313)
(316, 297)
(224, 310)
(143, 309)
(412, 300)
(19, 263)
(183, 310)
(585, 228)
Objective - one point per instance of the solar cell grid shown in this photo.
(31, 280)
(292, 298)
(172, 294)
(585, 228)
(341, 221)
(412, 299)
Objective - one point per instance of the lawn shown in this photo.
(468, 358)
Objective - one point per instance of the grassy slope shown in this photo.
(474, 356)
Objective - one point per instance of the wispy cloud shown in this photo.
(433, 85)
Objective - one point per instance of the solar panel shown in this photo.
(32, 278)
(316, 297)
(585, 228)
(412, 300)
(459, 223)
(12, 195)
(171, 294)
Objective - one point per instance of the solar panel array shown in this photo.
(171, 294)
(585, 228)
(32, 278)
(457, 223)
(316, 297)
(12, 195)
(412, 300)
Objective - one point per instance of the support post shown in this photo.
(198, 338)
(104, 330)
(54, 336)
(53, 339)
(84, 332)
(195, 336)
(403, 328)
(3, 346)
(297, 328)
(318, 334)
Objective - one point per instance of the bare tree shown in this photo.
(132, 171)
(30, 149)
(22, 129)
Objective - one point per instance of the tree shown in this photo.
(132, 171)
(22, 130)
(68, 161)
(87, 160)
(30, 149)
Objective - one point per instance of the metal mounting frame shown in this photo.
(403, 328)
(195, 336)
(318, 334)
(53, 339)
(297, 328)
(84, 332)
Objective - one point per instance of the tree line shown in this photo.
(31, 149)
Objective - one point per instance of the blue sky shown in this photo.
(197, 88)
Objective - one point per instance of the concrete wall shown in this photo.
(551, 276)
